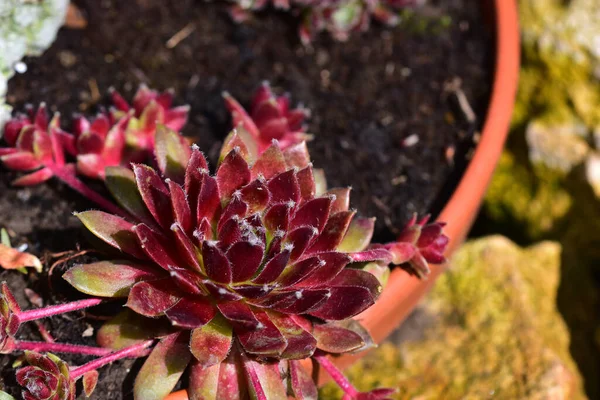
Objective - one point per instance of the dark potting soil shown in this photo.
(385, 113)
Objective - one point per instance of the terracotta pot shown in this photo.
(403, 290)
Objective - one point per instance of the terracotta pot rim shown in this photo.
(403, 290)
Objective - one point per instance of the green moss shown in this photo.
(531, 200)
(496, 332)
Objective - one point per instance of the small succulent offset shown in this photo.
(338, 17)
(236, 276)
(38, 145)
(270, 118)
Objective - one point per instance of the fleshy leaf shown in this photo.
(300, 343)
(336, 339)
(151, 299)
(264, 380)
(128, 328)
(358, 236)
(265, 340)
(303, 385)
(211, 343)
(224, 381)
(90, 379)
(120, 181)
(172, 153)
(191, 313)
(163, 368)
(154, 194)
(108, 278)
(113, 230)
(352, 292)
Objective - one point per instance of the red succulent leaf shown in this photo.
(211, 343)
(216, 264)
(352, 292)
(154, 194)
(46, 377)
(223, 381)
(302, 384)
(180, 207)
(300, 343)
(284, 188)
(34, 178)
(333, 233)
(270, 163)
(154, 246)
(113, 230)
(336, 339)
(245, 259)
(239, 315)
(273, 268)
(232, 174)
(264, 379)
(191, 313)
(263, 340)
(153, 298)
(314, 213)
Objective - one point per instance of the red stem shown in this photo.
(47, 336)
(74, 183)
(62, 348)
(31, 315)
(131, 351)
(336, 375)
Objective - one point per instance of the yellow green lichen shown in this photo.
(495, 332)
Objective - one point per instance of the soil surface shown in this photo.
(385, 113)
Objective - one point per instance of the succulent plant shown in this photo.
(245, 264)
(338, 17)
(420, 244)
(124, 134)
(150, 109)
(46, 377)
(237, 275)
(35, 144)
(270, 118)
(9, 320)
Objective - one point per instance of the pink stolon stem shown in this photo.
(43, 347)
(132, 351)
(337, 375)
(38, 313)
(72, 181)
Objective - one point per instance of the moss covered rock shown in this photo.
(493, 331)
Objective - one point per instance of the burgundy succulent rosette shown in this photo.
(245, 265)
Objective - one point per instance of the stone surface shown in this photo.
(26, 28)
(489, 329)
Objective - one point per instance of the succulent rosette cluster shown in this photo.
(270, 118)
(338, 17)
(419, 244)
(245, 264)
(116, 137)
(236, 276)
(35, 145)
(46, 377)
